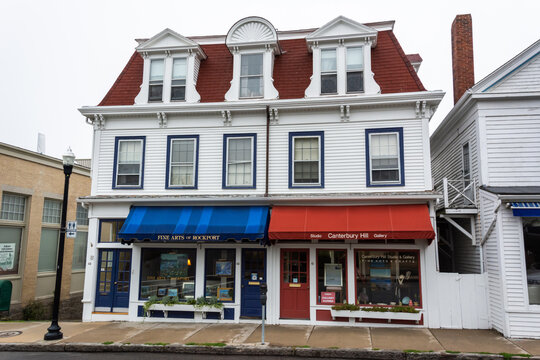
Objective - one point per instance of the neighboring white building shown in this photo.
(299, 159)
(485, 157)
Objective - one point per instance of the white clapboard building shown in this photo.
(485, 159)
(297, 159)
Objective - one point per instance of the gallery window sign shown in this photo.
(388, 277)
(7, 256)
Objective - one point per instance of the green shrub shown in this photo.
(34, 311)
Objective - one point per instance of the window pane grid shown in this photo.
(51, 211)
(129, 162)
(182, 162)
(251, 75)
(13, 207)
(384, 157)
(178, 84)
(82, 215)
(306, 160)
(239, 162)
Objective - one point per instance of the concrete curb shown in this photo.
(253, 351)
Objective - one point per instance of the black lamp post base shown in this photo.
(53, 333)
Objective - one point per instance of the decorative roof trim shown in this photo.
(364, 32)
(189, 45)
(252, 31)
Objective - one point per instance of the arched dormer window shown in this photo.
(171, 68)
(253, 43)
(342, 59)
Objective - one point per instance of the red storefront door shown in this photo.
(294, 302)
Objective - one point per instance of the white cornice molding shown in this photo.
(250, 32)
(361, 32)
(432, 98)
(184, 45)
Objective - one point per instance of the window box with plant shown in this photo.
(172, 303)
(376, 312)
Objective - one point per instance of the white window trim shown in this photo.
(185, 78)
(295, 184)
(398, 181)
(335, 72)
(153, 84)
(118, 161)
(194, 162)
(355, 70)
(261, 75)
(251, 160)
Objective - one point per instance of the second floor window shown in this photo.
(239, 169)
(182, 162)
(305, 159)
(385, 156)
(355, 69)
(178, 84)
(251, 76)
(328, 71)
(129, 162)
(155, 91)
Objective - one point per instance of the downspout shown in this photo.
(267, 148)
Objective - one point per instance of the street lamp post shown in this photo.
(53, 332)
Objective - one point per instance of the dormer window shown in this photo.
(171, 68)
(155, 91)
(253, 43)
(342, 59)
(328, 71)
(178, 82)
(355, 69)
(251, 76)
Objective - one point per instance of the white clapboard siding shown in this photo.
(513, 146)
(210, 160)
(345, 156)
(466, 255)
(461, 301)
(488, 203)
(525, 78)
(524, 324)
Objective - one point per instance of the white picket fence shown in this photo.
(459, 302)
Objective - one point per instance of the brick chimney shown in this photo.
(462, 55)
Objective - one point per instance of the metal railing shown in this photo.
(457, 193)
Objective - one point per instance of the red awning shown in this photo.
(379, 222)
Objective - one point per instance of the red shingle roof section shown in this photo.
(127, 85)
(292, 71)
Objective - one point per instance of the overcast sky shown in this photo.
(56, 56)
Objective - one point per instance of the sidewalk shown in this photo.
(245, 339)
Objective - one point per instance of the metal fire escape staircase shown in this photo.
(455, 214)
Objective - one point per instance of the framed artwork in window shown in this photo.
(172, 292)
(224, 268)
(225, 294)
(161, 291)
(333, 275)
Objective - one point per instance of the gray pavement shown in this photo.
(281, 340)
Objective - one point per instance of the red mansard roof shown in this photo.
(292, 71)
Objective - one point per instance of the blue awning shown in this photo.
(526, 209)
(195, 223)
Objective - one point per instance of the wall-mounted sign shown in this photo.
(71, 229)
(7, 256)
(328, 297)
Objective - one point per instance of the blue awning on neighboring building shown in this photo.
(195, 224)
(526, 209)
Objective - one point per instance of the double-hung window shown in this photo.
(12, 224)
(328, 71)
(306, 159)
(155, 91)
(129, 162)
(48, 246)
(384, 158)
(355, 69)
(182, 155)
(79, 244)
(178, 82)
(251, 76)
(239, 160)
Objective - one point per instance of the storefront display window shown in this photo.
(331, 276)
(531, 238)
(219, 269)
(110, 229)
(168, 272)
(388, 277)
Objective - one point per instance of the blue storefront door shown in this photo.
(113, 278)
(253, 274)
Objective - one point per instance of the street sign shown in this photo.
(71, 230)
